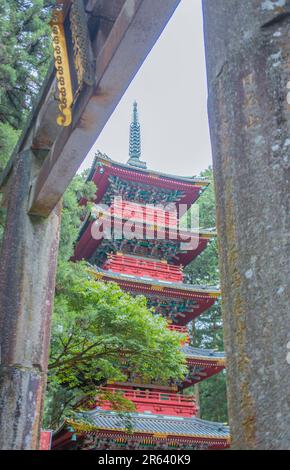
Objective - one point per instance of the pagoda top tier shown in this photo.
(114, 179)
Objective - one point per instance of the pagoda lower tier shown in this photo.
(164, 418)
(103, 429)
(178, 302)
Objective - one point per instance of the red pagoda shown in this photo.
(149, 262)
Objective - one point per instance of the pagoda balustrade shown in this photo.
(143, 267)
(180, 329)
(154, 401)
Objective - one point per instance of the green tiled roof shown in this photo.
(151, 423)
(164, 283)
(189, 351)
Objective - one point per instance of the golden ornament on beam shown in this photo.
(62, 67)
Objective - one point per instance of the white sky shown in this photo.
(170, 89)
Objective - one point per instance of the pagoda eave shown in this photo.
(104, 168)
(164, 288)
(202, 364)
(199, 369)
(154, 430)
(157, 292)
(87, 245)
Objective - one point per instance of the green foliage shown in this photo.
(213, 398)
(204, 269)
(8, 140)
(207, 329)
(72, 212)
(98, 333)
(99, 325)
(24, 56)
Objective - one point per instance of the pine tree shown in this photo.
(25, 54)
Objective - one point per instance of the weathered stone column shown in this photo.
(27, 280)
(248, 63)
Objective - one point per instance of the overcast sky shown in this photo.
(170, 89)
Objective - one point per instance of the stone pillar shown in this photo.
(27, 281)
(248, 66)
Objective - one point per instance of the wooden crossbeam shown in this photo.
(134, 33)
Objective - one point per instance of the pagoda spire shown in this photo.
(135, 140)
(135, 134)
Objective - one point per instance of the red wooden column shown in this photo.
(248, 51)
(27, 281)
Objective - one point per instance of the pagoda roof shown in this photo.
(104, 167)
(177, 301)
(165, 286)
(172, 429)
(86, 245)
(170, 425)
(105, 160)
(204, 354)
(202, 364)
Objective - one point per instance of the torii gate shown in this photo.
(117, 36)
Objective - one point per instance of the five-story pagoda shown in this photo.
(146, 255)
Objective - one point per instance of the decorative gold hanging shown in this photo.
(62, 67)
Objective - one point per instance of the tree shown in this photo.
(73, 213)
(100, 332)
(207, 330)
(25, 54)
